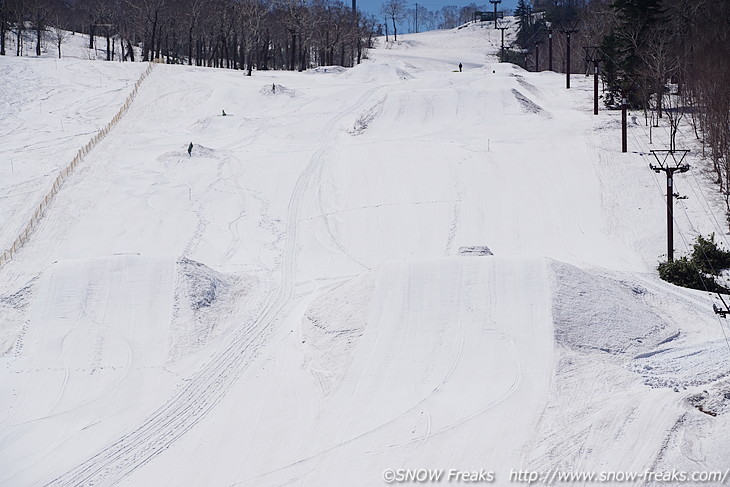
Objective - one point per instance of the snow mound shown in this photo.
(366, 118)
(95, 315)
(202, 284)
(592, 312)
(369, 72)
(529, 106)
(277, 90)
(527, 85)
(331, 328)
(203, 303)
(684, 367)
(713, 401)
(327, 70)
(477, 250)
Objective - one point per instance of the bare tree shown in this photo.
(660, 62)
(59, 37)
(4, 14)
(17, 10)
(394, 10)
(449, 17)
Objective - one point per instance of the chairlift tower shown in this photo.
(595, 56)
(537, 55)
(550, 45)
(503, 25)
(670, 161)
(495, 2)
(568, 27)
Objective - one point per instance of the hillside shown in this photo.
(288, 304)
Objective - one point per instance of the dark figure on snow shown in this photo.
(224, 112)
(190, 149)
(460, 67)
(273, 87)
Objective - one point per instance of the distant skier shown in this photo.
(460, 67)
(190, 150)
(273, 87)
(224, 112)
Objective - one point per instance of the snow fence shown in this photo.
(8, 254)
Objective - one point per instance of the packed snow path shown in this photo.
(287, 304)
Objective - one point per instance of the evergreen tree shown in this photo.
(638, 20)
(522, 13)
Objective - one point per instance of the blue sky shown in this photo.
(373, 6)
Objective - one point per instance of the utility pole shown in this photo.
(416, 17)
(670, 167)
(628, 85)
(357, 47)
(593, 55)
(495, 2)
(568, 28)
(503, 25)
(550, 47)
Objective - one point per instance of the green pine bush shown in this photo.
(699, 270)
(708, 257)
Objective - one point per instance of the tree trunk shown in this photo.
(225, 53)
(158, 50)
(151, 46)
(265, 52)
(19, 49)
(300, 56)
(234, 51)
(38, 31)
(130, 51)
(92, 29)
(190, 45)
(249, 65)
(2, 36)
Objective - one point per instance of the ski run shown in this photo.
(309, 297)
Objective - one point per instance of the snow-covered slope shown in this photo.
(287, 305)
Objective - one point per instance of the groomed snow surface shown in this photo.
(310, 298)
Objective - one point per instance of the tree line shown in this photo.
(235, 34)
(670, 58)
(417, 18)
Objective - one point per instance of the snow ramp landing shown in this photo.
(418, 363)
(91, 352)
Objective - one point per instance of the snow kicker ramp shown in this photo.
(389, 369)
(393, 368)
(96, 337)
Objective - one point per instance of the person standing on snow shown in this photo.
(460, 67)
